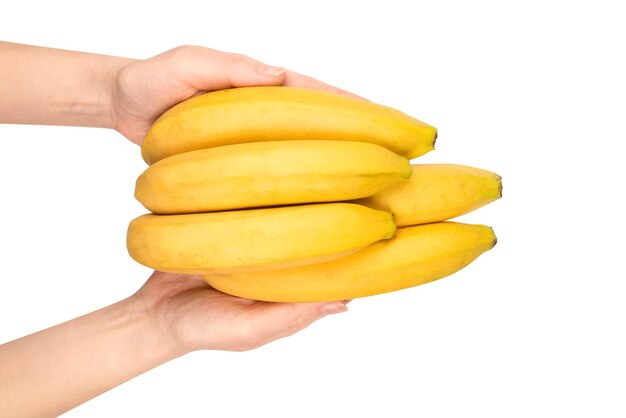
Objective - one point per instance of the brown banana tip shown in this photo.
(435, 139)
(501, 187)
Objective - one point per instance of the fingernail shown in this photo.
(271, 71)
(334, 308)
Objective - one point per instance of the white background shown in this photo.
(533, 90)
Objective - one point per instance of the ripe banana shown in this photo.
(255, 239)
(268, 174)
(251, 114)
(436, 192)
(416, 255)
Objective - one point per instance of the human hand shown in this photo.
(171, 315)
(187, 315)
(143, 90)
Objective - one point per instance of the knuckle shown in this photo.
(185, 51)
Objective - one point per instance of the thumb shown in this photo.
(277, 320)
(209, 69)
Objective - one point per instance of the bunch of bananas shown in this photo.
(296, 195)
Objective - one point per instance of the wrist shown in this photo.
(107, 74)
(154, 336)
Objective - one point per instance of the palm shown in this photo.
(194, 316)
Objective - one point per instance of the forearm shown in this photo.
(57, 369)
(48, 86)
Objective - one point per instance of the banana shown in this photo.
(255, 239)
(436, 192)
(270, 113)
(416, 255)
(268, 174)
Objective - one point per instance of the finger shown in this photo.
(272, 321)
(209, 69)
(294, 79)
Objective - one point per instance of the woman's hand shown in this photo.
(56, 369)
(143, 90)
(84, 89)
(187, 315)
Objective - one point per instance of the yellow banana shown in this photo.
(416, 255)
(255, 239)
(268, 174)
(436, 192)
(251, 114)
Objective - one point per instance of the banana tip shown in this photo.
(495, 239)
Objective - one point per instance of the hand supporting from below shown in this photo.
(57, 369)
(190, 315)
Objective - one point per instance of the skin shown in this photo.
(54, 370)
